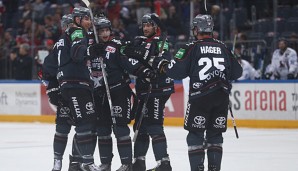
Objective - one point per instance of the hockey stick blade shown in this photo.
(234, 122)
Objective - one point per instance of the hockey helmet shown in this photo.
(80, 12)
(147, 19)
(204, 23)
(102, 22)
(66, 19)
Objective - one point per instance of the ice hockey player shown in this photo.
(162, 88)
(211, 67)
(117, 68)
(76, 85)
(63, 121)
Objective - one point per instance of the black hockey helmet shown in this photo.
(102, 22)
(80, 12)
(204, 23)
(147, 19)
(66, 19)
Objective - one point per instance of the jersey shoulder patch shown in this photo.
(78, 33)
(180, 53)
(183, 50)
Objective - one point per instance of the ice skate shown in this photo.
(139, 164)
(57, 165)
(164, 165)
(89, 167)
(73, 165)
(125, 167)
(105, 167)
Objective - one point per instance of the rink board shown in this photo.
(261, 104)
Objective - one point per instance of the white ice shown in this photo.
(28, 147)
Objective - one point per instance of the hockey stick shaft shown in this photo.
(142, 114)
(234, 122)
(87, 3)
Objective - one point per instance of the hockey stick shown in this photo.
(230, 105)
(87, 3)
(163, 38)
(233, 120)
(205, 5)
(142, 114)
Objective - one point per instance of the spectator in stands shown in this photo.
(39, 8)
(51, 30)
(22, 63)
(284, 64)
(25, 12)
(119, 30)
(8, 43)
(173, 23)
(218, 19)
(142, 7)
(2, 58)
(249, 72)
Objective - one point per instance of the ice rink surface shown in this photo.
(28, 147)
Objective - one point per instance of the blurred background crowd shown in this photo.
(30, 28)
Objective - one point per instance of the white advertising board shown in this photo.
(265, 101)
(20, 99)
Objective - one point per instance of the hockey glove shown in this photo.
(148, 75)
(160, 64)
(53, 92)
(136, 52)
(96, 50)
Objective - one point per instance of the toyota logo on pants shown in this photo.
(199, 120)
(220, 120)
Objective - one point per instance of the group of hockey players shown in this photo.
(88, 79)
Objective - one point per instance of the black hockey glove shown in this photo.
(96, 50)
(136, 52)
(53, 92)
(147, 75)
(159, 64)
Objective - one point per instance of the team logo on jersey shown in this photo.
(77, 34)
(110, 49)
(180, 53)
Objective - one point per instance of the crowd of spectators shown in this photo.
(36, 23)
